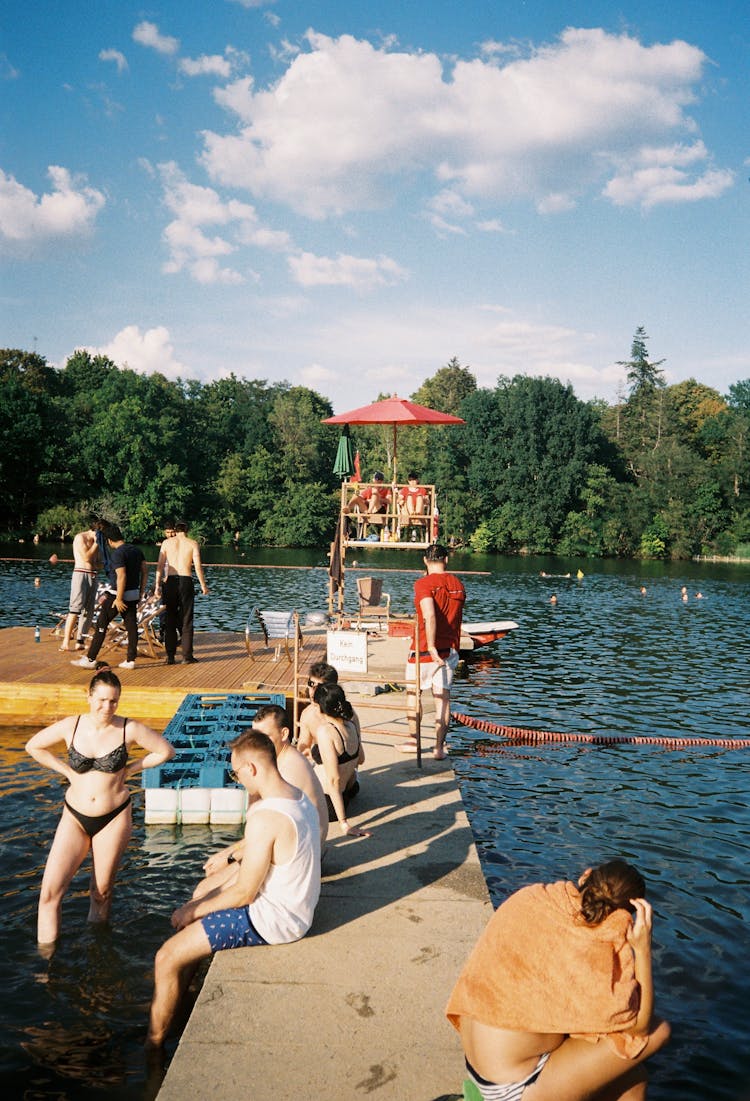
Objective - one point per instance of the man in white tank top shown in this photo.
(272, 900)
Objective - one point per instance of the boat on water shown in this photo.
(475, 635)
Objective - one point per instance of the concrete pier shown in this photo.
(356, 1008)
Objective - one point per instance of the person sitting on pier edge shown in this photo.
(97, 815)
(320, 672)
(439, 599)
(412, 502)
(271, 719)
(272, 900)
(556, 999)
(337, 751)
(373, 501)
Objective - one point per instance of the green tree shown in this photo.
(644, 411)
(31, 437)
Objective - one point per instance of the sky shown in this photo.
(345, 196)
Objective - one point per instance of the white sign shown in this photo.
(347, 651)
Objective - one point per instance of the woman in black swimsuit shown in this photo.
(97, 814)
(336, 751)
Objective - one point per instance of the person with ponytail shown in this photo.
(337, 752)
(556, 1001)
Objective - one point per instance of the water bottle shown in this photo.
(37, 635)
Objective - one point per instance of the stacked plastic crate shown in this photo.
(194, 787)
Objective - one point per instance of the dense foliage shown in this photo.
(665, 472)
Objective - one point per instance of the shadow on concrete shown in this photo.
(420, 838)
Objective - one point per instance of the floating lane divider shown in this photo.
(533, 737)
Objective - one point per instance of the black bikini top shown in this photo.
(343, 756)
(110, 762)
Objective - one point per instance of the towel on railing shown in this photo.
(539, 968)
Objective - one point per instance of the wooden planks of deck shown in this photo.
(38, 684)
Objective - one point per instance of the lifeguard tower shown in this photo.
(394, 524)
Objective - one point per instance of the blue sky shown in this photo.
(345, 196)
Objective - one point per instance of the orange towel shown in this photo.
(539, 968)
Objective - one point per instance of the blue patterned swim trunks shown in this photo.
(231, 929)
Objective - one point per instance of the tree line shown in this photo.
(663, 472)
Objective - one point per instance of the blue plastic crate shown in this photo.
(200, 731)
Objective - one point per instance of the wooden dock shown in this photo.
(38, 684)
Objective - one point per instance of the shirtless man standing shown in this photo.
(82, 587)
(177, 558)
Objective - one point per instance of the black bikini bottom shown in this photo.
(93, 823)
(347, 795)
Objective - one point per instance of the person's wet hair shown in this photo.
(273, 711)
(324, 672)
(254, 741)
(610, 887)
(106, 677)
(332, 701)
(436, 552)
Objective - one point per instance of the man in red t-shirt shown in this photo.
(439, 601)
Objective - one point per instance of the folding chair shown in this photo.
(149, 609)
(373, 602)
(283, 626)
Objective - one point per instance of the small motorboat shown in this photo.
(474, 635)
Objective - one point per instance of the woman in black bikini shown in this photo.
(337, 750)
(97, 814)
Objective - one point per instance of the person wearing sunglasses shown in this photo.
(273, 898)
(273, 720)
(320, 672)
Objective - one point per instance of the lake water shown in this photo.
(605, 659)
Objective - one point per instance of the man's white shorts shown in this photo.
(438, 678)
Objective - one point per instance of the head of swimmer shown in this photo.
(104, 695)
(609, 887)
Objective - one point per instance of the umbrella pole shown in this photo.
(418, 686)
(395, 472)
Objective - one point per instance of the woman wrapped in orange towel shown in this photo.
(555, 1002)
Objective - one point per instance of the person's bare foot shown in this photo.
(439, 754)
(409, 746)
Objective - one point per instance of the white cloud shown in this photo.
(213, 65)
(192, 249)
(660, 175)
(314, 375)
(8, 71)
(556, 203)
(115, 55)
(253, 3)
(144, 352)
(399, 349)
(68, 210)
(345, 271)
(445, 209)
(491, 225)
(347, 117)
(148, 34)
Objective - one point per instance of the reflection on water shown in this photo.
(605, 659)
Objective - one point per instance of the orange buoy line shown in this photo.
(533, 737)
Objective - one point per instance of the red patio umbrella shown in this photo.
(396, 411)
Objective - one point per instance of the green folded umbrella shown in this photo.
(344, 465)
